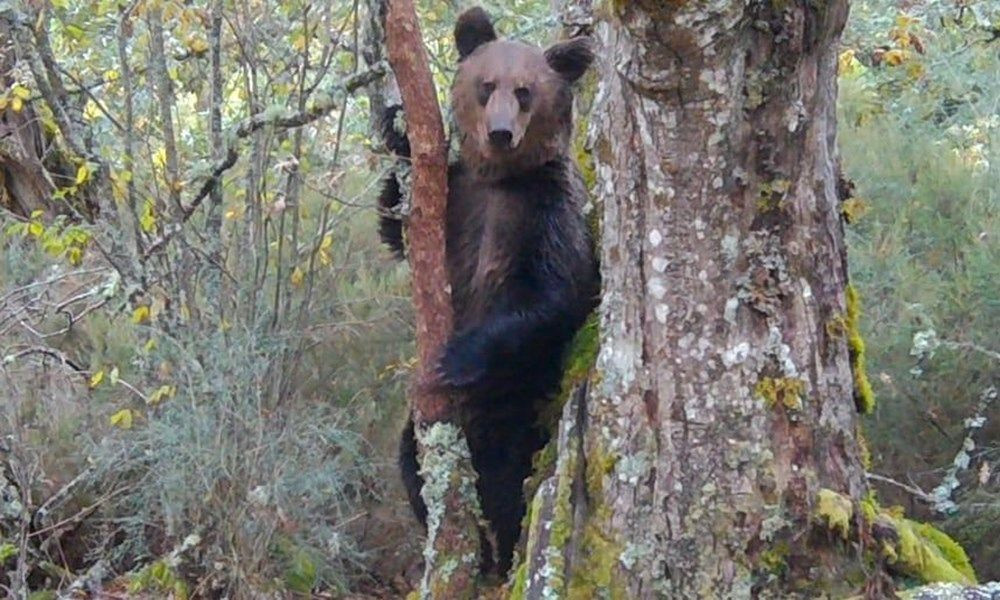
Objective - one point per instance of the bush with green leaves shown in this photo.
(920, 137)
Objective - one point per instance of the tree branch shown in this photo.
(258, 121)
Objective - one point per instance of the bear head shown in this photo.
(513, 102)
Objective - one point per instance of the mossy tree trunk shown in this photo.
(716, 453)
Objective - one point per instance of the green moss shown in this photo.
(562, 521)
(543, 465)
(594, 576)
(583, 157)
(771, 194)
(863, 449)
(520, 584)
(869, 507)
(773, 560)
(836, 509)
(599, 465)
(920, 550)
(950, 550)
(929, 554)
(586, 92)
(785, 391)
(864, 396)
(582, 355)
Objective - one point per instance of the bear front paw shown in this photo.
(465, 361)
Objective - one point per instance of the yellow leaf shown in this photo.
(894, 57)
(150, 345)
(327, 242)
(82, 174)
(299, 42)
(197, 45)
(848, 64)
(16, 104)
(113, 376)
(914, 69)
(161, 394)
(74, 256)
(122, 418)
(110, 75)
(148, 219)
(297, 277)
(20, 91)
(90, 111)
(160, 157)
(96, 379)
(140, 314)
(904, 20)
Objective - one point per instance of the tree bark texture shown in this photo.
(452, 549)
(722, 408)
(26, 166)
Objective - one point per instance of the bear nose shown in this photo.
(501, 138)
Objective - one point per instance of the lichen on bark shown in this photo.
(449, 487)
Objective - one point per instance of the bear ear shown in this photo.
(472, 30)
(571, 58)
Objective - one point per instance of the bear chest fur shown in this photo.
(493, 235)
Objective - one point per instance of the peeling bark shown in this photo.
(723, 400)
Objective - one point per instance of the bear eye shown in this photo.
(486, 89)
(523, 95)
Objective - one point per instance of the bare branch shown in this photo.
(259, 121)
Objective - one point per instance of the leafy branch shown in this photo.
(321, 107)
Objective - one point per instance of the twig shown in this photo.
(52, 352)
(81, 514)
(60, 496)
(915, 491)
(942, 494)
(260, 121)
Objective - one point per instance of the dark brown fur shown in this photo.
(520, 261)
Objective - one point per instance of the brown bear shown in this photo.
(519, 256)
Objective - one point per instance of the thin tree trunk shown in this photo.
(453, 550)
(723, 409)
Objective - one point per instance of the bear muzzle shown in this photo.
(501, 139)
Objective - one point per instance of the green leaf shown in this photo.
(7, 550)
(301, 574)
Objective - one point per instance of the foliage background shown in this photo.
(220, 412)
(920, 136)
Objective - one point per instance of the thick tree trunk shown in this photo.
(721, 421)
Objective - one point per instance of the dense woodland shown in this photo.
(205, 352)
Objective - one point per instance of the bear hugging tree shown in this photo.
(519, 258)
